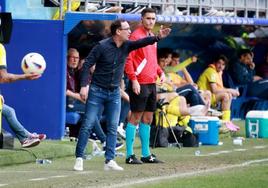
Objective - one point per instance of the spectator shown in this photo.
(243, 73)
(262, 69)
(211, 79)
(125, 107)
(26, 138)
(74, 101)
(186, 76)
(183, 72)
(142, 70)
(176, 83)
(86, 35)
(109, 56)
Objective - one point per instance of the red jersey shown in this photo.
(141, 64)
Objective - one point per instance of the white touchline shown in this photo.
(186, 174)
(19, 171)
(259, 147)
(58, 176)
(38, 179)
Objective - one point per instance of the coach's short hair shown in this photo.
(116, 25)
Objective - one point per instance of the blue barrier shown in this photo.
(40, 104)
(73, 18)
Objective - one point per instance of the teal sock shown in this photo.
(130, 138)
(144, 131)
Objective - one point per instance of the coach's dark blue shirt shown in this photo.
(110, 61)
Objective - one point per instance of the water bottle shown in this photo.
(67, 132)
(96, 151)
(119, 154)
(170, 145)
(88, 157)
(197, 153)
(43, 161)
(237, 89)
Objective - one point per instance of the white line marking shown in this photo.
(2, 185)
(230, 151)
(4, 172)
(253, 161)
(38, 179)
(259, 147)
(59, 176)
(83, 172)
(226, 151)
(240, 149)
(214, 153)
(186, 174)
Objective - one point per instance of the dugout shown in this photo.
(40, 104)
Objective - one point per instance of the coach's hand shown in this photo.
(163, 32)
(84, 93)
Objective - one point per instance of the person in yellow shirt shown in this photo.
(167, 90)
(211, 79)
(176, 83)
(6, 77)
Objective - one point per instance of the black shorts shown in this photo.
(145, 101)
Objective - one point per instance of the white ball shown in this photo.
(33, 63)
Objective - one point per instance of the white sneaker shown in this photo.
(78, 166)
(121, 131)
(112, 165)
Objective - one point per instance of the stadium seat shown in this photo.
(239, 105)
(72, 118)
(72, 121)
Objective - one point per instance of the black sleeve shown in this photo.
(91, 60)
(133, 45)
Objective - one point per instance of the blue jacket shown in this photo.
(241, 73)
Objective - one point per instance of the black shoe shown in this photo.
(151, 159)
(133, 160)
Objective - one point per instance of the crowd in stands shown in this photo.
(164, 7)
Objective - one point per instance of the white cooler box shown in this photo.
(257, 124)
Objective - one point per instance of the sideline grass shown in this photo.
(177, 161)
(245, 177)
(47, 149)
